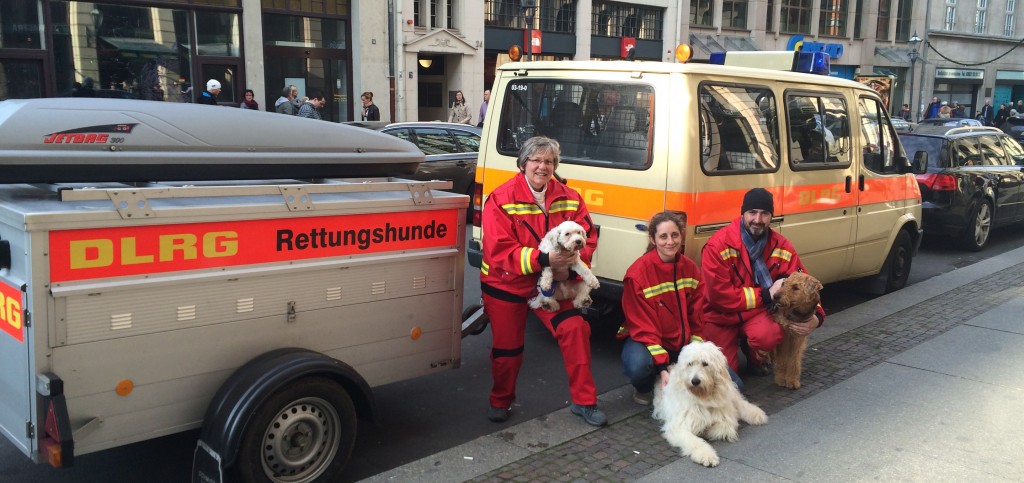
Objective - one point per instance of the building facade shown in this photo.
(415, 54)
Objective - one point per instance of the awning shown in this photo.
(138, 46)
(899, 56)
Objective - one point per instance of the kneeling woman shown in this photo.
(663, 301)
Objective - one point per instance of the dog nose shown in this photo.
(579, 243)
(695, 381)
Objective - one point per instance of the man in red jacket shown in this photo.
(516, 216)
(743, 265)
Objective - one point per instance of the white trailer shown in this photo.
(263, 311)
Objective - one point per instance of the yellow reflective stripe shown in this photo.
(658, 289)
(522, 209)
(524, 260)
(696, 338)
(622, 330)
(783, 254)
(686, 283)
(728, 253)
(661, 288)
(564, 205)
(751, 297)
(484, 267)
(656, 350)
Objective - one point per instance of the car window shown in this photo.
(879, 144)
(1014, 150)
(928, 144)
(435, 141)
(966, 152)
(992, 151)
(400, 134)
(470, 142)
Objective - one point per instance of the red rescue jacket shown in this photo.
(732, 295)
(663, 304)
(513, 226)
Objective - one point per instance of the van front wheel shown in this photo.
(303, 433)
(897, 264)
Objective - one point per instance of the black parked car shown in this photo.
(973, 180)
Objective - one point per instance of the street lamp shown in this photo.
(529, 7)
(913, 42)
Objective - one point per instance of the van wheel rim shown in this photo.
(301, 441)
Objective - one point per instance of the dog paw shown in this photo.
(582, 304)
(757, 417)
(705, 456)
(592, 282)
(551, 305)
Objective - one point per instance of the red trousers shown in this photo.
(508, 329)
(761, 331)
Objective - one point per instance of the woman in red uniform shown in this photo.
(515, 218)
(663, 301)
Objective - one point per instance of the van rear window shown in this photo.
(596, 123)
(739, 129)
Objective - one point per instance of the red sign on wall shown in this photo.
(628, 43)
(535, 41)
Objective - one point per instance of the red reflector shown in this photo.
(937, 181)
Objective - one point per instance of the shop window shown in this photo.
(121, 51)
(319, 7)
(20, 25)
(218, 34)
(293, 31)
(20, 79)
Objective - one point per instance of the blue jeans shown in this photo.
(638, 365)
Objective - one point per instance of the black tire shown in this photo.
(897, 264)
(303, 433)
(484, 321)
(978, 228)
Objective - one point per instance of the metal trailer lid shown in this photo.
(65, 140)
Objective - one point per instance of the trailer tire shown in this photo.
(302, 433)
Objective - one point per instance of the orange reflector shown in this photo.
(415, 333)
(53, 455)
(515, 52)
(683, 53)
(125, 387)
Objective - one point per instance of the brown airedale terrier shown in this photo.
(794, 302)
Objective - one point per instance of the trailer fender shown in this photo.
(253, 383)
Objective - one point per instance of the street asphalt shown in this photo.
(923, 384)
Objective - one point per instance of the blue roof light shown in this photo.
(812, 63)
(717, 58)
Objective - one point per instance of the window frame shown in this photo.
(803, 164)
(704, 135)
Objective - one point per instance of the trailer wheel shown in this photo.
(303, 433)
(473, 327)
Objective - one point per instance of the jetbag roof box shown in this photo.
(66, 140)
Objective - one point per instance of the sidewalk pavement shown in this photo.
(923, 384)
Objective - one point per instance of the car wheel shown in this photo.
(897, 264)
(976, 234)
(303, 433)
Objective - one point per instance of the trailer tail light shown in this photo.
(478, 203)
(937, 181)
(56, 443)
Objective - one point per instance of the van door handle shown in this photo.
(860, 182)
(849, 183)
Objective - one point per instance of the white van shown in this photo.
(641, 137)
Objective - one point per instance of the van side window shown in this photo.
(879, 144)
(596, 123)
(819, 131)
(739, 129)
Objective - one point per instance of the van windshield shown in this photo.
(596, 123)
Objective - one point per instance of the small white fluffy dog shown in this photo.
(569, 236)
(697, 398)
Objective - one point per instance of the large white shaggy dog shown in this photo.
(698, 399)
(569, 236)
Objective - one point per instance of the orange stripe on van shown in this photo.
(710, 207)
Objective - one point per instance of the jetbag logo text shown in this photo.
(90, 135)
(11, 315)
(114, 252)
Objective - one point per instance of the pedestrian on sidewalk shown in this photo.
(743, 265)
(289, 102)
(370, 110)
(515, 217)
(483, 108)
(662, 300)
(311, 108)
(209, 96)
(459, 112)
